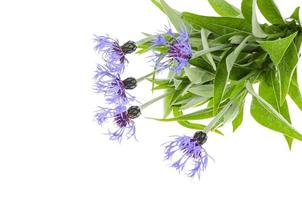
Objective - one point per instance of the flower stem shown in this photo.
(140, 79)
(219, 116)
(148, 103)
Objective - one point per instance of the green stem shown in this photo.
(147, 75)
(140, 79)
(148, 103)
(209, 50)
(219, 116)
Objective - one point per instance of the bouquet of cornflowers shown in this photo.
(213, 63)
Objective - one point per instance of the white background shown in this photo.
(50, 147)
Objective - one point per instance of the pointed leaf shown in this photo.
(194, 102)
(197, 75)
(167, 103)
(294, 91)
(285, 57)
(224, 8)
(296, 15)
(223, 72)
(269, 93)
(227, 113)
(267, 116)
(209, 50)
(248, 8)
(177, 112)
(174, 16)
(277, 48)
(218, 25)
(158, 5)
(202, 114)
(202, 90)
(239, 118)
(270, 11)
(204, 40)
(286, 69)
(197, 115)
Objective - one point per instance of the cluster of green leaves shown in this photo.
(232, 52)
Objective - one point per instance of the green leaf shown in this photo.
(195, 42)
(180, 91)
(277, 48)
(248, 8)
(294, 91)
(159, 81)
(202, 90)
(197, 115)
(184, 99)
(223, 73)
(239, 86)
(298, 41)
(227, 113)
(144, 44)
(218, 25)
(239, 118)
(285, 57)
(268, 92)
(232, 112)
(177, 112)
(270, 11)
(167, 103)
(209, 50)
(162, 86)
(174, 16)
(236, 39)
(296, 15)
(205, 46)
(198, 76)
(220, 83)
(177, 83)
(195, 101)
(222, 39)
(267, 116)
(158, 5)
(286, 69)
(200, 63)
(224, 8)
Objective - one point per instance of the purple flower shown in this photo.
(171, 51)
(113, 53)
(113, 88)
(121, 118)
(187, 153)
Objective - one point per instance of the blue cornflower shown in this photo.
(113, 53)
(113, 88)
(189, 153)
(121, 118)
(171, 51)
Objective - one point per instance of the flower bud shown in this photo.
(133, 112)
(129, 47)
(201, 137)
(130, 83)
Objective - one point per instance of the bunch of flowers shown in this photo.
(212, 65)
(109, 83)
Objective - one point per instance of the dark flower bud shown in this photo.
(129, 47)
(201, 137)
(133, 112)
(130, 83)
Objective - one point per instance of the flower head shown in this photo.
(188, 154)
(113, 88)
(171, 51)
(121, 118)
(113, 53)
